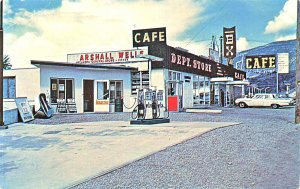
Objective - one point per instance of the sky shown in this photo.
(50, 29)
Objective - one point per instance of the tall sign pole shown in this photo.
(1, 68)
(297, 108)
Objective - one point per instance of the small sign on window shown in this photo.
(61, 87)
(54, 87)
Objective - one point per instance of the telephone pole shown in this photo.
(297, 108)
(1, 68)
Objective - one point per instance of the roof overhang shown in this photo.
(221, 79)
(84, 66)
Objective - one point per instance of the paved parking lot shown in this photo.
(61, 155)
(261, 152)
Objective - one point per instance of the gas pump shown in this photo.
(139, 112)
(149, 103)
(160, 106)
(150, 107)
(154, 105)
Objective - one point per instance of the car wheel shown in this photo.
(275, 106)
(242, 105)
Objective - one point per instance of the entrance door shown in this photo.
(180, 96)
(88, 95)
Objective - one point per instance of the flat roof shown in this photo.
(51, 63)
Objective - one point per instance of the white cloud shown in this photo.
(286, 19)
(285, 38)
(242, 44)
(92, 25)
(197, 48)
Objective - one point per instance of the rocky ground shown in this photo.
(262, 152)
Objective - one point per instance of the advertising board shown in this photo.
(24, 109)
(107, 57)
(145, 37)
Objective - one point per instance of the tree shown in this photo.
(6, 63)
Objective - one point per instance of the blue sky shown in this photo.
(50, 29)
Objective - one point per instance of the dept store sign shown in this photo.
(107, 57)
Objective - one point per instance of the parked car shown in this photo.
(264, 100)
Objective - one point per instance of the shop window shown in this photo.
(102, 91)
(174, 76)
(61, 89)
(179, 76)
(9, 87)
(195, 85)
(170, 75)
(171, 89)
(139, 80)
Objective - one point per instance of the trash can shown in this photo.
(119, 105)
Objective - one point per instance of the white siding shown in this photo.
(79, 74)
(27, 82)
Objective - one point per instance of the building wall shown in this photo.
(79, 74)
(158, 82)
(27, 82)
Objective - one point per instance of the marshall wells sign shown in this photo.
(107, 57)
(177, 60)
(147, 37)
(262, 61)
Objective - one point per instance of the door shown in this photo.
(180, 96)
(88, 95)
(116, 95)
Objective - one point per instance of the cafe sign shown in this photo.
(260, 62)
(107, 57)
(145, 37)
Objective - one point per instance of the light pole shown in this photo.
(297, 108)
(221, 49)
(2, 126)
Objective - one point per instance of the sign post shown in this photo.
(282, 66)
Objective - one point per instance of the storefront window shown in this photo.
(179, 76)
(170, 75)
(102, 91)
(61, 89)
(139, 80)
(171, 89)
(201, 90)
(9, 87)
(174, 76)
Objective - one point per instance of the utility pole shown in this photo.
(297, 108)
(221, 50)
(1, 68)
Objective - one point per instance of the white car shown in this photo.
(264, 100)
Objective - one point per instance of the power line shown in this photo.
(217, 16)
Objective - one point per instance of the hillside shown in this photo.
(262, 78)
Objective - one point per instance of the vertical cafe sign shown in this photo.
(229, 36)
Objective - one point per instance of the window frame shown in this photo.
(61, 86)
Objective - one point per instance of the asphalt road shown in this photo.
(262, 152)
